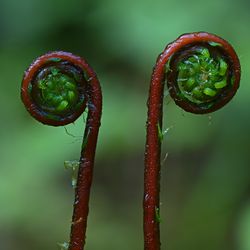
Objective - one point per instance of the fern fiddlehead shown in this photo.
(202, 73)
(56, 89)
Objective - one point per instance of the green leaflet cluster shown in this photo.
(58, 92)
(201, 77)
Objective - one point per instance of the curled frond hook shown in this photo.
(202, 74)
(56, 89)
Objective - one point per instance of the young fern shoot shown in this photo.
(202, 73)
(56, 89)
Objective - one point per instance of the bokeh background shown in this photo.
(205, 197)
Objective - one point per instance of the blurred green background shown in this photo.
(205, 197)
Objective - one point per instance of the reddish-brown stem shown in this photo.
(154, 124)
(85, 173)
